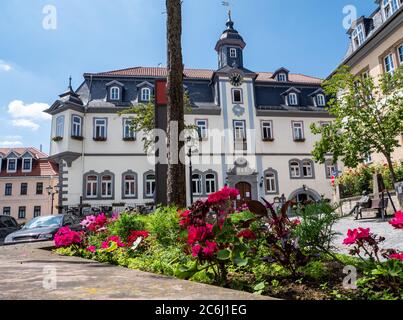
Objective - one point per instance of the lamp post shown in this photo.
(189, 154)
(51, 192)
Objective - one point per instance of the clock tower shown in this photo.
(230, 47)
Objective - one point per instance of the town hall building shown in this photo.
(264, 119)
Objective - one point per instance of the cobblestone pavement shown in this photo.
(28, 272)
(394, 237)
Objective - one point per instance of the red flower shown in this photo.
(356, 234)
(196, 250)
(65, 237)
(106, 244)
(397, 221)
(296, 221)
(134, 235)
(224, 194)
(247, 234)
(92, 249)
(396, 256)
(185, 219)
(199, 233)
(210, 249)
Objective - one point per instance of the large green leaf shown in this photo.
(224, 254)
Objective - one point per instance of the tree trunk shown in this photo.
(391, 169)
(176, 184)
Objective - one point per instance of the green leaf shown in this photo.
(260, 286)
(241, 262)
(186, 271)
(224, 254)
(112, 247)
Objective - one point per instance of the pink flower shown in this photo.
(396, 256)
(65, 237)
(117, 240)
(397, 221)
(134, 235)
(210, 249)
(296, 221)
(95, 223)
(105, 245)
(247, 234)
(185, 219)
(92, 249)
(199, 233)
(356, 234)
(196, 250)
(224, 194)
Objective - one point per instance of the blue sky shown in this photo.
(98, 35)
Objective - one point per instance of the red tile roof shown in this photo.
(20, 151)
(197, 74)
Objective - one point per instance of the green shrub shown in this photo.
(126, 223)
(315, 270)
(163, 224)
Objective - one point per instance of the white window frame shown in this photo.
(282, 77)
(271, 182)
(240, 101)
(114, 93)
(129, 185)
(239, 126)
(295, 169)
(59, 126)
(127, 132)
(102, 124)
(197, 182)
(211, 183)
(202, 128)
(320, 100)
(267, 125)
(91, 183)
(76, 127)
(358, 36)
(400, 53)
(389, 64)
(308, 167)
(330, 168)
(107, 185)
(30, 164)
(232, 53)
(389, 7)
(149, 185)
(298, 130)
(15, 160)
(145, 94)
(292, 99)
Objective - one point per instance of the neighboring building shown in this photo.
(264, 119)
(376, 47)
(25, 177)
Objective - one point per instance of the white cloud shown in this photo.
(25, 123)
(7, 143)
(34, 111)
(5, 66)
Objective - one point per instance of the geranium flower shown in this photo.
(397, 221)
(95, 223)
(396, 256)
(356, 234)
(224, 194)
(117, 240)
(196, 250)
(134, 235)
(92, 249)
(210, 249)
(65, 237)
(199, 233)
(247, 234)
(185, 219)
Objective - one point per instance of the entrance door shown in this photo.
(245, 192)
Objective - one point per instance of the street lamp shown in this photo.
(52, 191)
(189, 154)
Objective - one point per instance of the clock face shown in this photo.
(235, 79)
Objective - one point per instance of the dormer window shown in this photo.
(26, 164)
(358, 36)
(389, 7)
(292, 99)
(282, 77)
(114, 93)
(232, 53)
(12, 165)
(320, 100)
(145, 94)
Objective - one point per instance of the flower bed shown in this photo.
(214, 243)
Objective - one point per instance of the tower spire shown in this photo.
(70, 87)
(230, 23)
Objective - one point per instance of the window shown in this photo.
(202, 129)
(7, 211)
(237, 96)
(282, 77)
(358, 36)
(129, 185)
(389, 7)
(320, 100)
(232, 53)
(115, 93)
(150, 185)
(298, 131)
(400, 54)
(197, 184)
(21, 212)
(389, 64)
(39, 188)
(26, 164)
(368, 159)
(8, 189)
(271, 182)
(145, 94)
(294, 169)
(12, 165)
(307, 169)
(128, 132)
(106, 186)
(92, 186)
(292, 99)
(331, 169)
(239, 130)
(76, 130)
(100, 129)
(210, 183)
(37, 211)
(267, 130)
(24, 189)
(60, 126)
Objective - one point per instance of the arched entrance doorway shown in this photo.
(245, 192)
(304, 195)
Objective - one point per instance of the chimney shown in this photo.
(40, 148)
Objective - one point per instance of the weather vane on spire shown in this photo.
(227, 4)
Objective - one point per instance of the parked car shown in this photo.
(43, 228)
(7, 225)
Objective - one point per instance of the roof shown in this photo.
(202, 74)
(20, 151)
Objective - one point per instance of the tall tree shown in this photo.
(368, 118)
(176, 184)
